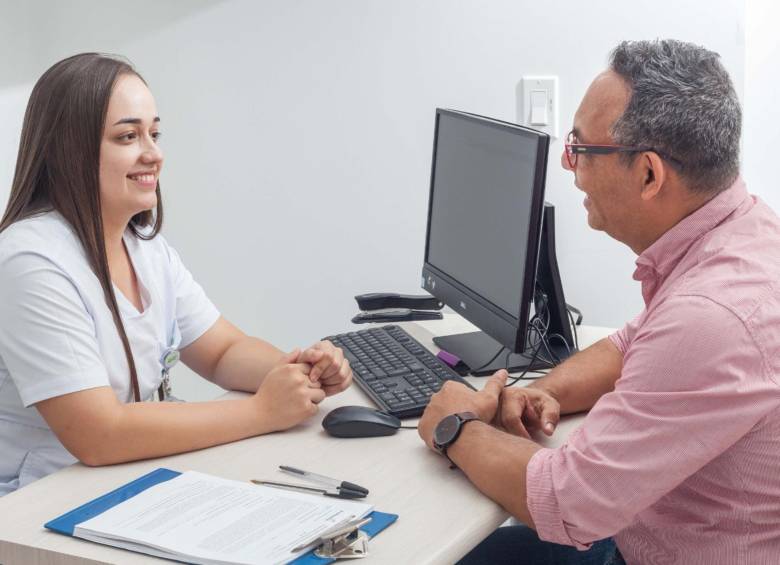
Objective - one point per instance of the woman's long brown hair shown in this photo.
(58, 166)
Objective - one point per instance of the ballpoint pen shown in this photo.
(342, 486)
(334, 492)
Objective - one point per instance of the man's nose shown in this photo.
(565, 161)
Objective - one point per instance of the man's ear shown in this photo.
(654, 173)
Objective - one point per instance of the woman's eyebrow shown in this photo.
(136, 121)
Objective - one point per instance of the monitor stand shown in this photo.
(476, 348)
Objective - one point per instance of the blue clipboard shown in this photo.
(66, 524)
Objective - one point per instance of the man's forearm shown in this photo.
(245, 363)
(496, 463)
(584, 378)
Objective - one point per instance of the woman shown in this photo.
(95, 305)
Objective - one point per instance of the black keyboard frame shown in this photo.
(420, 366)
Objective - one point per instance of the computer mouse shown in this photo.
(360, 421)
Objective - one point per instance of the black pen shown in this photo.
(344, 486)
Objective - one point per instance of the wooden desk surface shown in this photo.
(442, 516)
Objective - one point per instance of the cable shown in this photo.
(522, 375)
(565, 343)
(472, 371)
(408, 427)
(574, 328)
(538, 326)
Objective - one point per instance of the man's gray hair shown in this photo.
(684, 106)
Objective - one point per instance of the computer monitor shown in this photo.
(488, 229)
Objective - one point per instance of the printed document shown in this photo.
(200, 518)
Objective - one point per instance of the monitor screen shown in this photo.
(484, 222)
(483, 183)
(490, 247)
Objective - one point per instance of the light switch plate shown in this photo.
(529, 84)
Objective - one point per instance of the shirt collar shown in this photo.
(662, 256)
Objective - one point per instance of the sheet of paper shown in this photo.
(213, 520)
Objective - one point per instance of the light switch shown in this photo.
(539, 108)
(537, 103)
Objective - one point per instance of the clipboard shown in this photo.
(66, 524)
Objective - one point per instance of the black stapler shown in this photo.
(381, 307)
(395, 315)
(383, 300)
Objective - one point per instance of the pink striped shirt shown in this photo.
(681, 463)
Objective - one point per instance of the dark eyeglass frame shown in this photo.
(573, 150)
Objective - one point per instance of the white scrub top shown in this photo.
(57, 334)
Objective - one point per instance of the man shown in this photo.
(678, 460)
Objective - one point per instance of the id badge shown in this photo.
(170, 356)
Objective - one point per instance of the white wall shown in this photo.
(761, 111)
(16, 61)
(298, 134)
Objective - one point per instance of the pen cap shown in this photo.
(352, 486)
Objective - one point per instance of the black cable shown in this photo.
(408, 427)
(570, 309)
(472, 371)
(522, 375)
(543, 317)
(565, 343)
(552, 358)
(574, 328)
(540, 318)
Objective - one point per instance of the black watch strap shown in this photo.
(451, 426)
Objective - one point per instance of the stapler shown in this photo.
(382, 307)
(397, 315)
(384, 300)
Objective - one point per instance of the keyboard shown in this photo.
(394, 369)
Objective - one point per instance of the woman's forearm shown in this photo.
(145, 430)
(244, 365)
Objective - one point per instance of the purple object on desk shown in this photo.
(448, 358)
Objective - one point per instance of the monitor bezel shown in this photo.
(509, 329)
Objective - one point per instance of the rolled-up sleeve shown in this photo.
(623, 337)
(682, 399)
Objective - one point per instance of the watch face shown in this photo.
(446, 431)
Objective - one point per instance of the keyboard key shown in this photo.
(404, 406)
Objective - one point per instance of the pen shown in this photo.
(334, 492)
(342, 485)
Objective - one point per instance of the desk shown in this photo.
(442, 516)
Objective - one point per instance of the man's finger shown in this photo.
(551, 414)
(495, 384)
(512, 415)
(533, 414)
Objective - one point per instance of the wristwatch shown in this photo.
(448, 430)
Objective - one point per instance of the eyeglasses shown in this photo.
(574, 149)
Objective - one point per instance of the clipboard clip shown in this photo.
(343, 542)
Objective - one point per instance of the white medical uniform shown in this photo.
(57, 335)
